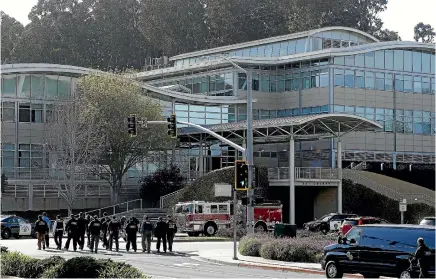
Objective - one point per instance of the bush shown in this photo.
(4, 249)
(113, 269)
(250, 246)
(80, 267)
(18, 265)
(48, 264)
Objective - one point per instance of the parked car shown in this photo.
(378, 250)
(430, 221)
(329, 222)
(357, 221)
(16, 226)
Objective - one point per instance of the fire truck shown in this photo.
(200, 217)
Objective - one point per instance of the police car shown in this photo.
(16, 226)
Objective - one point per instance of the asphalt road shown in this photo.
(181, 264)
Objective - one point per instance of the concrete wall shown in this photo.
(326, 201)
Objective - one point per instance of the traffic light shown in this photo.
(241, 175)
(172, 126)
(131, 125)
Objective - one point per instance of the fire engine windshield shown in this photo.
(184, 208)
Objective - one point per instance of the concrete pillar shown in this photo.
(200, 158)
(292, 181)
(30, 195)
(339, 157)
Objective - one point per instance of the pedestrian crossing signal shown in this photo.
(241, 175)
(131, 125)
(172, 126)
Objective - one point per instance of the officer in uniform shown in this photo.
(146, 233)
(171, 232)
(41, 228)
(47, 234)
(88, 234)
(58, 231)
(161, 232)
(105, 222)
(81, 230)
(72, 227)
(94, 229)
(131, 231)
(114, 228)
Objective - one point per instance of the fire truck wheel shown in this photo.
(260, 227)
(210, 229)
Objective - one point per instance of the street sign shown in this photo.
(223, 190)
(403, 206)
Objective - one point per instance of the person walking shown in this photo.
(72, 228)
(146, 234)
(105, 222)
(171, 232)
(88, 234)
(47, 235)
(81, 230)
(161, 232)
(131, 231)
(114, 227)
(94, 229)
(58, 228)
(41, 229)
(420, 257)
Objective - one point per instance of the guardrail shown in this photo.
(303, 173)
(117, 208)
(165, 200)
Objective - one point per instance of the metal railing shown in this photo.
(356, 177)
(165, 200)
(117, 208)
(303, 173)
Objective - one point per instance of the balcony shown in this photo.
(304, 176)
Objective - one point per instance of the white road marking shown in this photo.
(205, 261)
(187, 264)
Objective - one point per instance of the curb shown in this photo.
(276, 268)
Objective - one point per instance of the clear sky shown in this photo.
(401, 15)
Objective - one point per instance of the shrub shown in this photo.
(4, 249)
(18, 265)
(79, 267)
(250, 245)
(113, 269)
(48, 264)
(268, 249)
(52, 272)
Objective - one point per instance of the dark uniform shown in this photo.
(147, 233)
(59, 231)
(420, 256)
(171, 232)
(131, 231)
(105, 222)
(161, 232)
(88, 234)
(81, 230)
(94, 229)
(41, 229)
(72, 228)
(114, 228)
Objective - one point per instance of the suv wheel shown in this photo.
(333, 271)
(6, 233)
(405, 274)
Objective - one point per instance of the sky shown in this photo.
(400, 16)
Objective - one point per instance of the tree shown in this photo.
(162, 182)
(11, 31)
(424, 32)
(387, 35)
(74, 146)
(113, 99)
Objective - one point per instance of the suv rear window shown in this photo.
(350, 222)
(428, 221)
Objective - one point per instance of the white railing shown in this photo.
(303, 173)
(117, 208)
(165, 200)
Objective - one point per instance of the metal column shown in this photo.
(292, 181)
(249, 154)
(200, 158)
(339, 158)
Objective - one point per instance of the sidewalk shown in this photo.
(225, 256)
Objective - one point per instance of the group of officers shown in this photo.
(105, 229)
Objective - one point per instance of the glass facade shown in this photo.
(205, 115)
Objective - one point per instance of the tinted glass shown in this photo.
(417, 61)
(350, 222)
(355, 234)
(430, 222)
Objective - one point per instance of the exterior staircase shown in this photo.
(391, 187)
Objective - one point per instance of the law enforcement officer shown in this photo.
(105, 222)
(420, 256)
(146, 233)
(88, 234)
(94, 229)
(131, 231)
(58, 231)
(47, 234)
(72, 228)
(171, 232)
(41, 229)
(161, 232)
(114, 228)
(81, 230)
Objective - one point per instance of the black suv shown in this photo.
(329, 222)
(379, 250)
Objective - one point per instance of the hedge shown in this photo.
(20, 265)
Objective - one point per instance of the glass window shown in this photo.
(246, 52)
(425, 85)
(261, 51)
(380, 59)
(301, 46)
(295, 82)
(349, 78)
(389, 59)
(253, 52)
(359, 60)
(219, 82)
(242, 81)
(272, 83)
(360, 79)
(389, 82)
(408, 81)
(339, 60)
(317, 44)
(8, 111)
(369, 80)
(380, 81)
(37, 86)
(306, 80)
(324, 78)
(268, 50)
(51, 86)
(398, 60)
(432, 63)
(288, 48)
(369, 59)
(408, 60)
(276, 50)
(281, 83)
(255, 82)
(433, 85)
(417, 61)
(9, 85)
(24, 86)
(264, 83)
(339, 77)
(314, 79)
(399, 83)
(353, 236)
(24, 113)
(339, 108)
(349, 60)
(426, 62)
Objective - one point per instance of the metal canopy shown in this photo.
(308, 127)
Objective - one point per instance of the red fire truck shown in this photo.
(200, 217)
